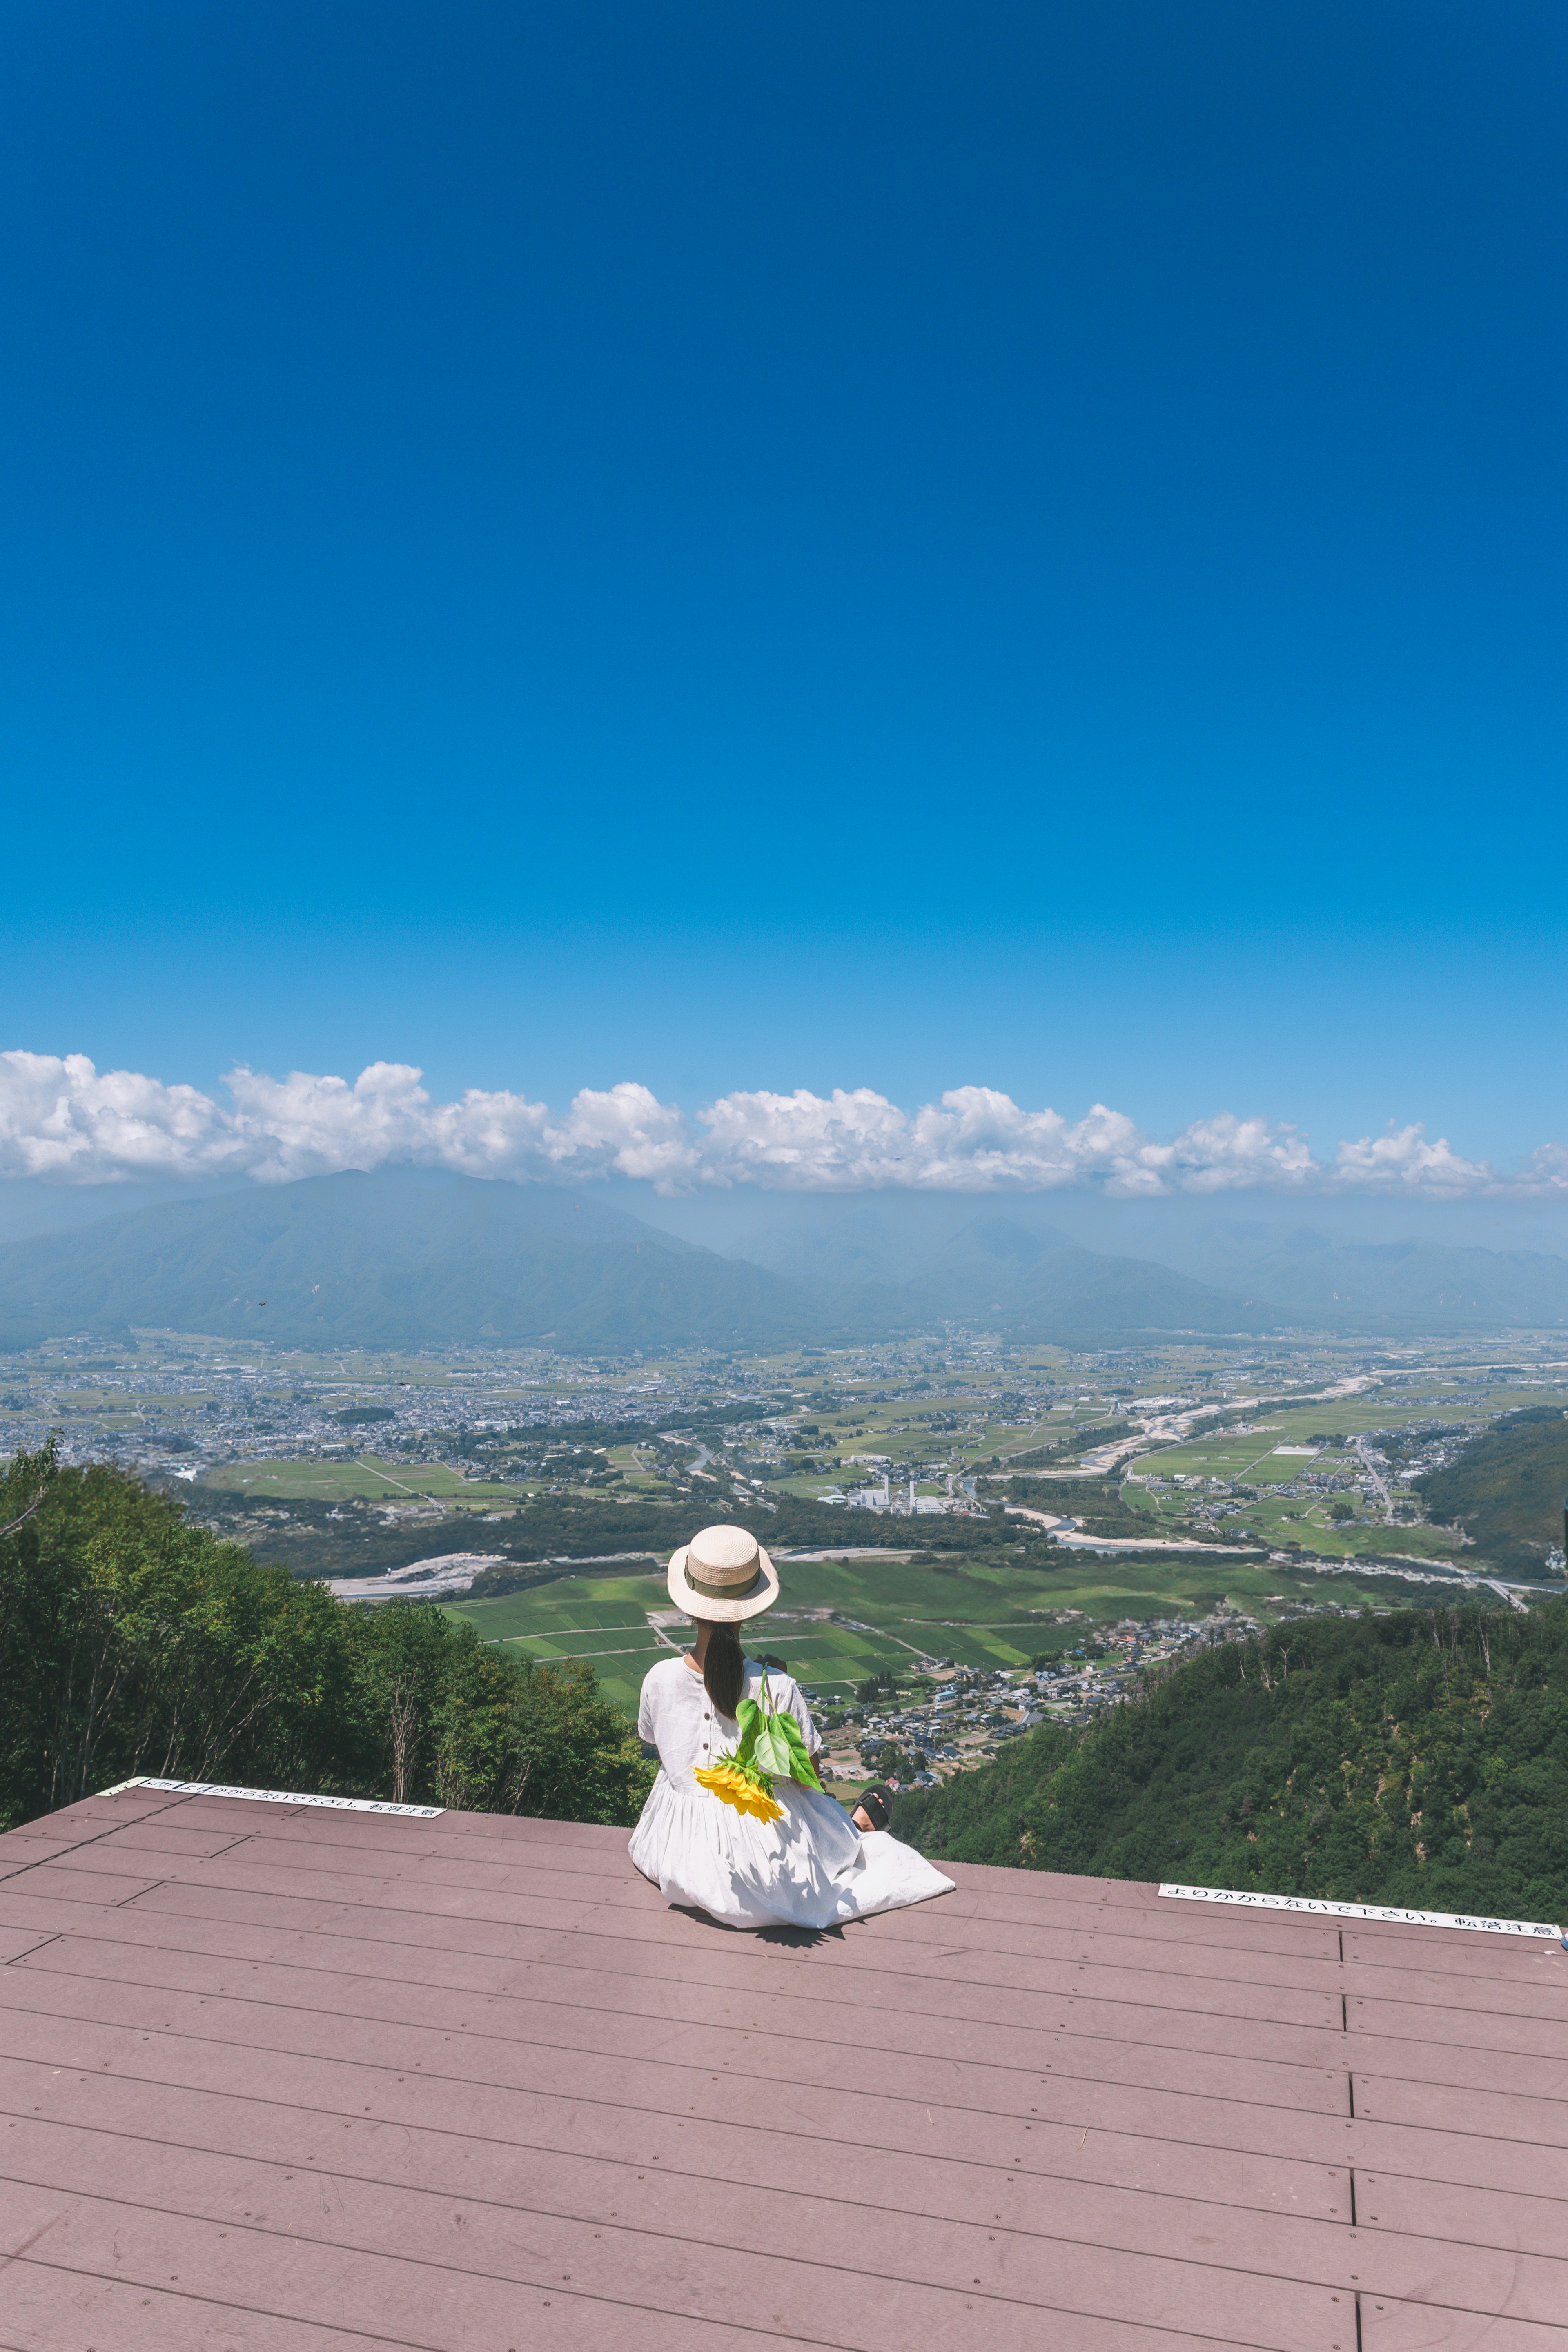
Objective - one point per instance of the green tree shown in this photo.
(1417, 1758)
(401, 1676)
(574, 1758)
(132, 1641)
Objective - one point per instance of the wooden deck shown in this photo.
(278, 2079)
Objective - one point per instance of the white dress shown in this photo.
(811, 1868)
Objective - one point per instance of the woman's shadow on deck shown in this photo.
(792, 1939)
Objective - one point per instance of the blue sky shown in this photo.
(905, 548)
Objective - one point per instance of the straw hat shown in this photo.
(723, 1574)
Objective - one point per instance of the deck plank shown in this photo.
(1473, 2028)
(688, 2245)
(50, 2310)
(1013, 1957)
(937, 2024)
(1511, 2115)
(281, 2078)
(198, 2097)
(1391, 2326)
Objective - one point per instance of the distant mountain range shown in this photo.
(1039, 1283)
(1000, 1268)
(1394, 1286)
(408, 1257)
(402, 1259)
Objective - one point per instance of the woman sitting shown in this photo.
(811, 1866)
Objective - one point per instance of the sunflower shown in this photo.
(733, 1787)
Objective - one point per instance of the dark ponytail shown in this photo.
(724, 1668)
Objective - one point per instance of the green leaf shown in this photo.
(748, 1714)
(801, 1767)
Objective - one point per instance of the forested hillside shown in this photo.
(1506, 1489)
(1419, 1757)
(135, 1642)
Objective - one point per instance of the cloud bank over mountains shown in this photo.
(63, 1121)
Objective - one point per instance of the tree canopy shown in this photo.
(135, 1642)
(1416, 1757)
(1507, 1487)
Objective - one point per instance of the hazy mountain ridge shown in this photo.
(1252, 1272)
(408, 1257)
(405, 1258)
(397, 1259)
(996, 1271)
(1392, 1285)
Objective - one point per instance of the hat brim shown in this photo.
(722, 1612)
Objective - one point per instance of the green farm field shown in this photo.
(1279, 1521)
(1256, 1459)
(1228, 1454)
(601, 1618)
(977, 1614)
(905, 1437)
(364, 1479)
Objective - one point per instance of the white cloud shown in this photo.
(62, 1120)
(977, 1140)
(1403, 1161)
(59, 1117)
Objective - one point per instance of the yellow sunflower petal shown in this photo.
(732, 1787)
